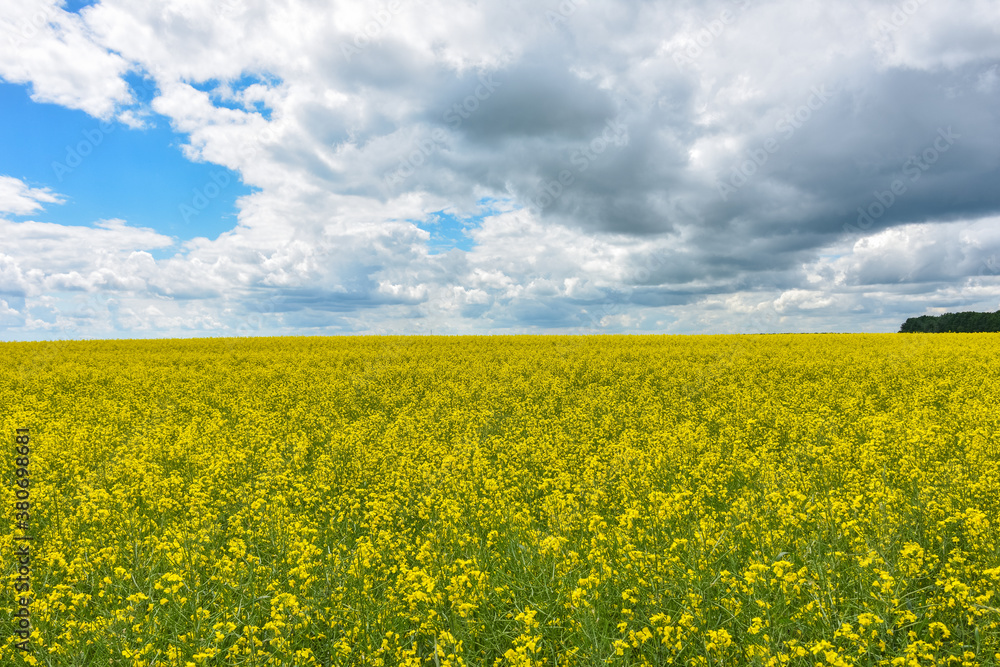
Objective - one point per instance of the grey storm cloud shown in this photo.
(542, 99)
(932, 134)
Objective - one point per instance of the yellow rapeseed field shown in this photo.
(486, 501)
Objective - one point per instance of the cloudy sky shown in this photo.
(244, 167)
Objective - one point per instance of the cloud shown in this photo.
(953, 254)
(640, 166)
(54, 51)
(18, 198)
(51, 257)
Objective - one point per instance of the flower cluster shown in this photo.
(759, 500)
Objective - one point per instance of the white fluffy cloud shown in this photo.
(18, 198)
(52, 258)
(639, 166)
(55, 51)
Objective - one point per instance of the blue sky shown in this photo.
(449, 231)
(139, 175)
(496, 167)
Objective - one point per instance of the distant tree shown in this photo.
(968, 322)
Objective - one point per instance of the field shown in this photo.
(718, 500)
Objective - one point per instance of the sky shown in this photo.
(295, 167)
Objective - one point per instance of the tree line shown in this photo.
(952, 323)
